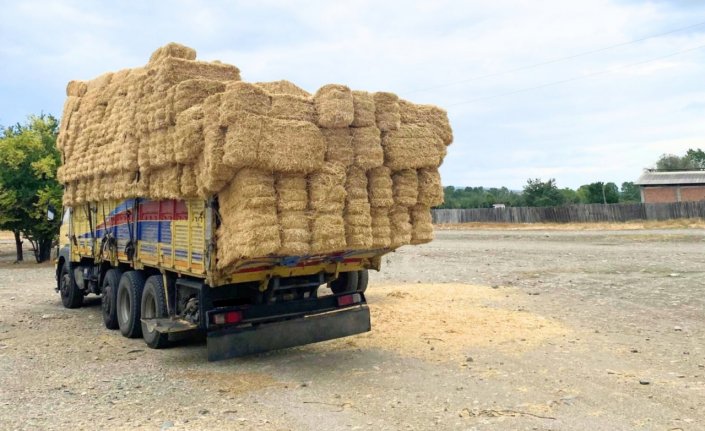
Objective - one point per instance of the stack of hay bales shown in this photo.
(294, 173)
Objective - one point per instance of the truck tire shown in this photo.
(362, 278)
(346, 282)
(129, 297)
(109, 298)
(71, 295)
(154, 306)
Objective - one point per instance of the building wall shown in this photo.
(665, 194)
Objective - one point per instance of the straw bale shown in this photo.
(334, 106)
(175, 50)
(80, 196)
(76, 88)
(215, 172)
(358, 225)
(430, 188)
(240, 96)
(249, 189)
(356, 184)
(292, 194)
(326, 189)
(247, 233)
(400, 224)
(295, 233)
(161, 149)
(291, 146)
(171, 70)
(412, 147)
(405, 187)
(339, 148)
(364, 109)
(188, 137)
(367, 147)
(187, 182)
(380, 187)
(164, 183)
(387, 111)
(327, 233)
(69, 196)
(429, 115)
(193, 91)
(421, 225)
(242, 139)
(381, 228)
(283, 87)
(291, 107)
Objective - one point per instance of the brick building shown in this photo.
(676, 186)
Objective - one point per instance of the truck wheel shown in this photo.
(153, 307)
(346, 282)
(362, 278)
(71, 295)
(128, 303)
(109, 299)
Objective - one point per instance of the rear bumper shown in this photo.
(231, 343)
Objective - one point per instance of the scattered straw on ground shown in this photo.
(629, 225)
(442, 322)
(233, 383)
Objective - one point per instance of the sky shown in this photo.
(580, 91)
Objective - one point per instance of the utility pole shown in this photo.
(604, 198)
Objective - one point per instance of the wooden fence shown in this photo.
(572, 213)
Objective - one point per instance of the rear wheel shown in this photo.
(362, 279)
(129, 296)
(346, 282)
(111, 282)
(154, 307)
(71, 295)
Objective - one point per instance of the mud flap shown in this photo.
(279, 335)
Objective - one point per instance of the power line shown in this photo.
(578, 78)
(556, 60)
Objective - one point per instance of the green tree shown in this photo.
(28, 185)
(539, 193)
(629, 192)
(671, 162)
(697, 157)
(570, 196)
(598, 193)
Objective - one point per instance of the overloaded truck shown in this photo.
(153, 262)
(197, 203)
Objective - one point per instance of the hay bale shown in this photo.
(339, 147)
(412, 147)
(291, 107)
(69, 197)
(367, 147)
(427, 115)
(381, 228)
(405, 187)
(380, 187)
(283, 87)
(173, 49)
(334, 106)
(241, 96)
(187, 182)
(430, 187)
(194, 91)
(400, 224)
(171, 70)
(295, 233)
(421, 225)
(247, 234)
(326, 189)
(164, 183)
(189, 141)
(327, 233)
(364, 109)
(387, 113)
(292, 192)
(242, 139)
(249, 189)
(76, 88)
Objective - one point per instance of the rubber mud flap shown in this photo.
(227, 344)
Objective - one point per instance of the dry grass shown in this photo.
(629, 225)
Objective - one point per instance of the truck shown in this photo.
(153, 262)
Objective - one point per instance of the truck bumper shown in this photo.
(231, 343)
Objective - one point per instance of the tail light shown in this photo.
(228, 317)
(345, 300)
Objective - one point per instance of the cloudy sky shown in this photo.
(579, 91)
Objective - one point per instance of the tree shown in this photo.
(697, 157)
(599, 193)
(538, 193)
(629, 192)
(570, 196)
(671, 162)
(28, 185)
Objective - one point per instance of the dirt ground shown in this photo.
(481, 329)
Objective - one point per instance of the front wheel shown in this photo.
(71, 295)
(154, 307)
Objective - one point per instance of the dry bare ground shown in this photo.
(597, 329)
